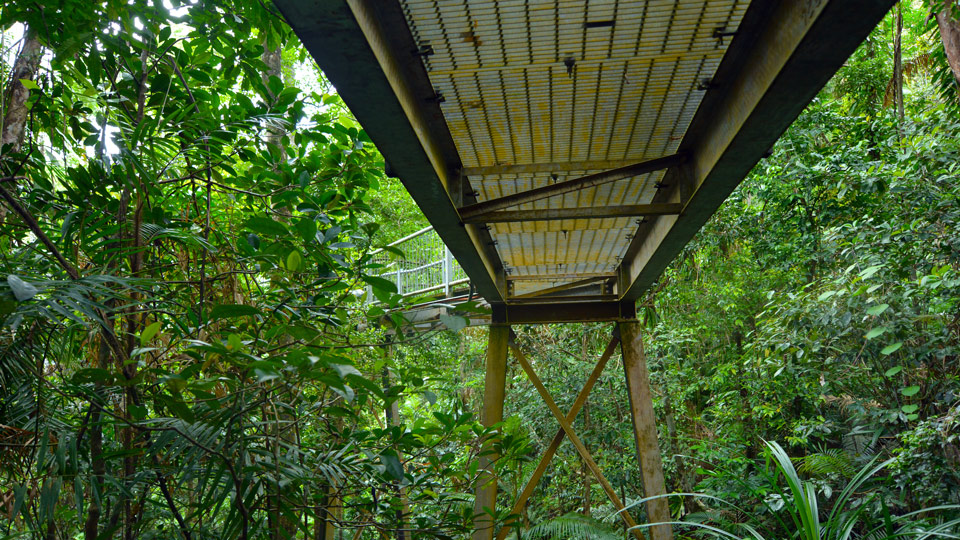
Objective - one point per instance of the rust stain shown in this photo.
(471, 37)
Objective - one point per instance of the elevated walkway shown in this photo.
(566, 150)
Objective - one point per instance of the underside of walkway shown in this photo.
(566, 150)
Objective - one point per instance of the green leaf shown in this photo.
(876, 332)
(92, 375)
(392, 463)
(910, 390)
(380, 283)
(228, 311)
(149, 332)
(892, 348)
(909, 409)
(22, 290)
(307, 229)
(234, 343)
(345, 369)
(266, 226)
(29, 84)
(878, 309)
(869, 272)
(892, 371)
(293, 261)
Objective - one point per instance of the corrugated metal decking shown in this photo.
(565, 82)
(472, 101)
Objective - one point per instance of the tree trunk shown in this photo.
(898, 67)
(25, 67)
(950, 36)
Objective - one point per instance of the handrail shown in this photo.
(406, 238)
(427, 266)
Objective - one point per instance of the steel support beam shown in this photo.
(782, 55)
(535, 168)
(366, 50)
(577, 443)
(559, 277)
(585, 212)
(567, 312)
(469, 212)
(645, 428)
(495, 379)
(558, 437)
(559, 288)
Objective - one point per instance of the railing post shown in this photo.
(447, 271)
(399, 282)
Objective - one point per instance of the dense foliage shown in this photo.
(187, 237)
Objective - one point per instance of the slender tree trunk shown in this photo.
(15, 113)
(273, 58)
(950, 36)
(98, 465)
(898, 68)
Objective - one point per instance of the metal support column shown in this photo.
(447, 271)
(493, 397)
(645, 428)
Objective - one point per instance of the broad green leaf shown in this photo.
(234, 343)
(293, 261)
(266, 226)
(870, 271)
(380, 283)
(392, 463)
(910, 390)
(307, 229)
(90, 375)
(909, 409)
(892, 371)
(878, 309)
(29, 84)
(227, 311)
(345, 369)
(22, 290)
(892, 348)
(880, 330)
(149, 332)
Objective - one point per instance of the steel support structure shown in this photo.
(558, 437)
(583, 212)
(605, 177)
(645, 428)
(494, 385)
(782, 55)
(577, 443)
(363, 47)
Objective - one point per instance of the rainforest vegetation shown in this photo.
(189, 229)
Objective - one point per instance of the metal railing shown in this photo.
(427, 265)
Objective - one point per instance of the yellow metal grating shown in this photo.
(512, 97)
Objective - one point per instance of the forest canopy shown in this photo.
(196, 339)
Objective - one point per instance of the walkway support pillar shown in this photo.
(492, 413)
(645, 428)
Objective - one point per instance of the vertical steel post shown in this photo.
(495, 380)
(447, 271)
(399, 281)
(645, 427)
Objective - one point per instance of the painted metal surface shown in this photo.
(534, 83)
(471, 101)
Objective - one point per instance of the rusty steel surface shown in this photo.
(557, 82)
(474, 103)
